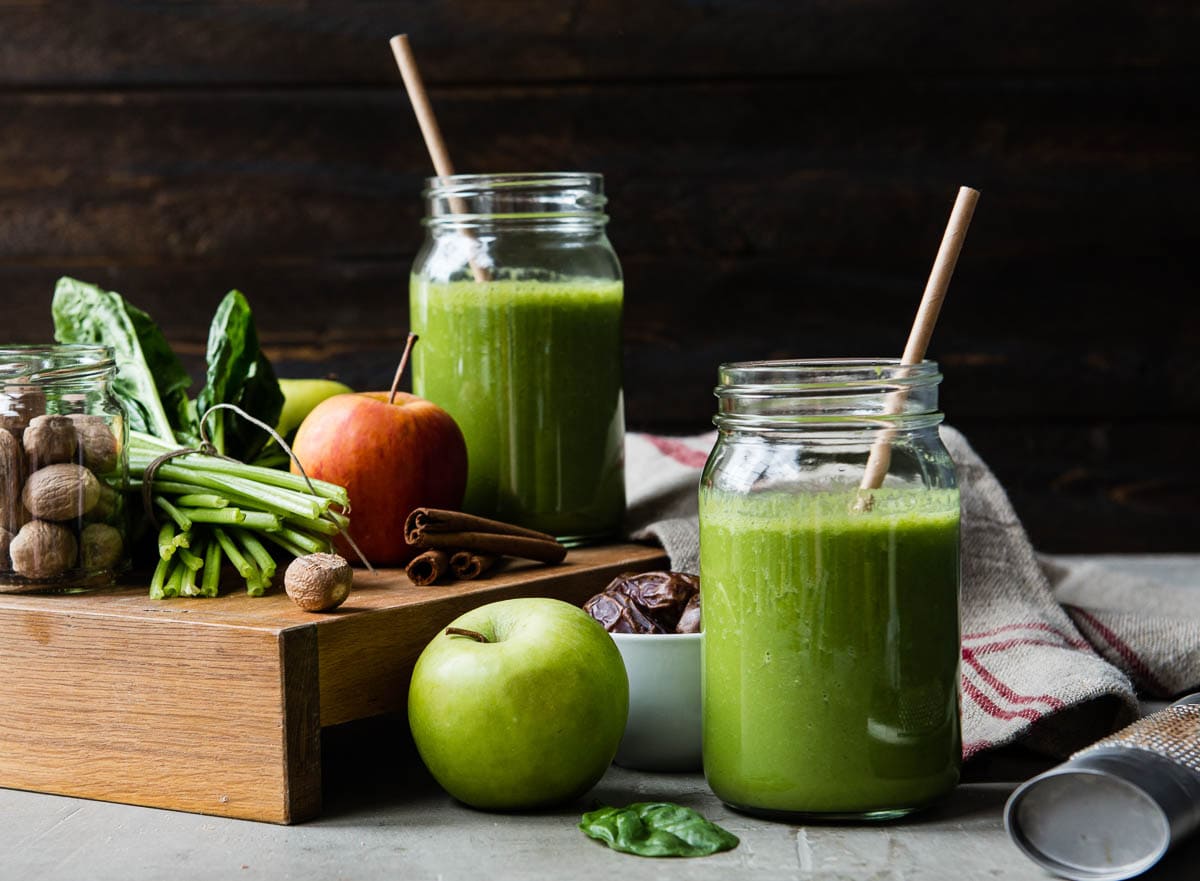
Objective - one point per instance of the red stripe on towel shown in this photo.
(989, 706)
(677, 450)
(1136, 664)
(1004, 690)
(1074, 641)
(1004, 645)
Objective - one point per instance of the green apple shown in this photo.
(519, 704)
(300, 396)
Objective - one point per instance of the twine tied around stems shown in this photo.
(207, 448)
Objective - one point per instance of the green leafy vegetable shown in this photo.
(657, 829)
(238, 373)
(269, 504)
(209, 509)
(151, 381)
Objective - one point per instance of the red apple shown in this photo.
(391, 458)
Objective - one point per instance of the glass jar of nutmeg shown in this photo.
(63, 466)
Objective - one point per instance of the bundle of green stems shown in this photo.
(213, 509)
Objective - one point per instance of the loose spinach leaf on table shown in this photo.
(657, 829)
(151, 382)
(238, 373)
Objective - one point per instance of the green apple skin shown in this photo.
(530, 719)
(300, 396)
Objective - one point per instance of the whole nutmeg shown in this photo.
(107, 507)
(49, 440)
(12, 470)
(12, 423)
(19, 404)
(318, 582)
(61, 492)
(13, 514)
(43, 550)
(97, 443)
(100, 546)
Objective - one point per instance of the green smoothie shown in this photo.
(531, 371)
(831, 650)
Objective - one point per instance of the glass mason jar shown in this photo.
(63, 465)
(517, 297)
(831, 613)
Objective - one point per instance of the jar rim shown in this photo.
(59, 361)
(827, 393)
(556, 200)
(455, 184)
(827, 364)
(797, 376)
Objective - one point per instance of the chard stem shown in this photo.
(212, 569)
(221, 516)
(181, 519)
(240, 563)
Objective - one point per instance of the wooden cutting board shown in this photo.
(216, 705)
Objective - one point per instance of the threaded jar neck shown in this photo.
(830, 395)
(55, 364)
(552, 199)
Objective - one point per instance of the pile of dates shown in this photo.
(653, 602)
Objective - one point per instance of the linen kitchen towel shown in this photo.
(1047, 666)
(1149, 629)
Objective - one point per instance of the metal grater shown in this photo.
(1115, 808)
(1173, 733)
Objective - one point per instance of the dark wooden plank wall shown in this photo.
(779, 173)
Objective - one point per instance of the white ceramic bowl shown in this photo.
(663, 731)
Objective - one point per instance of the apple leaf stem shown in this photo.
(408, 347)
(462, 631)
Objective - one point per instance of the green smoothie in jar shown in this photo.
(517, 298)
(527, 370)
(830, 650)
(830, 614)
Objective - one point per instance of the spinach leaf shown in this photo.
(171, 378)
(657, 829)
(151, 382)
(238, 373)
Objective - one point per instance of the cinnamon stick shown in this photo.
(469, 565)
(428, 568)
(423, 520)
(454, 530)
(493, 543)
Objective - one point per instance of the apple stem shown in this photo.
(408, 347)
(462, 631)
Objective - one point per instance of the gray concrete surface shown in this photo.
(384, 818)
